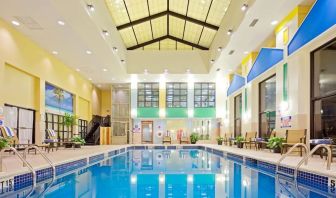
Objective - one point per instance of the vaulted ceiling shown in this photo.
(168, 24)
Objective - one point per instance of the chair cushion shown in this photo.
(9, 132)
(320, 141)
(50, 140)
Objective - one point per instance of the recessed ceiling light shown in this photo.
(188, 71)
(218, 69)
(78, 69)
(246, 52)
(54, 52)
(229, 32)
(166, 71)
(219, 49)
(115, 49)
(62, 23)
(90, 79)
(244, 7)
(99, 85)
(146, 71)
(212, 61)
(105, 70)
(16, 23)
(88, 52)
(90, 7)
(274, 22)
(106, 33)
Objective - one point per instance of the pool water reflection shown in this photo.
(172, 173)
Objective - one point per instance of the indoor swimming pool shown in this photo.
(172, 173)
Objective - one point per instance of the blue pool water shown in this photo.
(172, 173)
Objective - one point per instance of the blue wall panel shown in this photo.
(237, 83)
(320, 18)
(266, 58)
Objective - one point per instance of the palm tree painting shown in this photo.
(59, 95)
(58, 99)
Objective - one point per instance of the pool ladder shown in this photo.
(305, 157)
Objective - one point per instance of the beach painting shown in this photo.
(58, 99)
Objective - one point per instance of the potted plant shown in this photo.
(220, 140)
(69, 121)
(3, 143)
(275, 144)
(239, 141)
(78, 141)
(194, 137)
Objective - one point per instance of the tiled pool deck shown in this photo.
(70, 159)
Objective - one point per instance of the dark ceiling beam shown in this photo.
(168, 13)
(147, 43)
(168, 37)
(187, 43)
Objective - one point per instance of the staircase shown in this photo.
(93, 135)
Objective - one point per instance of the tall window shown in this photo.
(148, 94)
(56, 122)
(82, 127)
(204, 95)
(237, 115)
(323, 94)
(267, 106)
(176, 95)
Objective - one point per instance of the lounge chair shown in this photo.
(166, 139)
(52, 140)
(9, 134)
(293, 137)
(250, 139)
(260, 142)
(184, 140)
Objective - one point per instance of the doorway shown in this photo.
(237, 115)
(147, 132)
(22, 121)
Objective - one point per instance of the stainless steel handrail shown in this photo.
(326, 146)
(43, 155)
(291, 150)
(25, 162)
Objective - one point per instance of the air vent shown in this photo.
(29, 22)
(231, 52)
(254, 22)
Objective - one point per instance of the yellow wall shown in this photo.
(96, 101)
(105, 103)
(24, 69)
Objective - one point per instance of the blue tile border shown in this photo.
(236, 158)
(96, 158)
(63, 168)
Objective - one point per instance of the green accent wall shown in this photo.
(204, 112)
(176, 113)
(150, 112)
(285, 82)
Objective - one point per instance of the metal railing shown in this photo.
(290, 151)
(25, 162)
(43, 155)
(305, 159)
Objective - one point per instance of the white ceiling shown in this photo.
(83, 31)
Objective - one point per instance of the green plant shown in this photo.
(201, 137)
(3, 143)
(194, 137)
(70, 120)
(275, 142)
(78, 139)
(220, 139)
(240, 139)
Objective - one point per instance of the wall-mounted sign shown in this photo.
(136, 129)
(286, 122)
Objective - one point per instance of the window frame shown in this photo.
(145, 95)
(179, 95)
(201, 95)
(59, 123)
(314, 98)
(259, 103)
